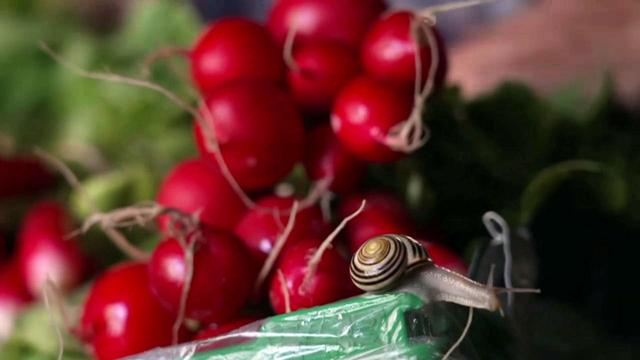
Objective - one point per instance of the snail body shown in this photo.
(383, 261)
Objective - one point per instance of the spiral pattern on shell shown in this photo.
(381, 261)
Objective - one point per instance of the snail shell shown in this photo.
(383, 260)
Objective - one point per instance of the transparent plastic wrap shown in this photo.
(396, 325)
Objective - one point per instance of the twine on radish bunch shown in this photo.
(277, 248)
(411, 134)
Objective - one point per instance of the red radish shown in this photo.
(384, 214)
(389, 49)
(344, 21)
(364, 113)
(13, 296)
(330, 282)
(445, 257)
(217, 330)
(196, 185)
(260, 227)
(222, 281)
(234, 48)
(322, 69)
(45, 253)
(22, 175)
(121, 316)
(327, 158)
(258, 129)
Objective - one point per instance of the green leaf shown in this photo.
(34, 335)
(115, 189)
(610, 185)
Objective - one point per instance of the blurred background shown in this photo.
(540, 122)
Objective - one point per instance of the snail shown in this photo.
(398, 261)
(382, 263)
(382, 260)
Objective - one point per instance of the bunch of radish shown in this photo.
(328, 86)
(44, 260)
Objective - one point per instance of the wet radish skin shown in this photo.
(330, 282)
(222, 280)
(343, 21)
(44, 252)
(197, 185)
(326, 157)
(323, 68)
(121, 316)
(259, 130)
(231, 49)
(383, 214)
(389, 50)
(260, 227)
(363, 114)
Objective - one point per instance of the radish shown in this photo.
(222, 280)
(121, 316)
(23, 175)
(258, 129)
(326, 158)
(344, 21)
(329, 283)
(260, 227)
(217, 330)
(389, 49)
(384, 214)
(231, 49)
(45, 253)
(364, 113)
(196, 185)
(445, 257)
(320, 70)
(13, 297)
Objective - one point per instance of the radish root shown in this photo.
(429, 12)
(211, 142)
(116, 237)
(183, 227)
(184, 296)
(462, 336)
(277, 248)
(312, 265)
(285, 292)
(213, 146)
(287, 50)
(54, 303)
(204, 118)
(319, 189)
(64, 170)
(161, 54)
(141, 215)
